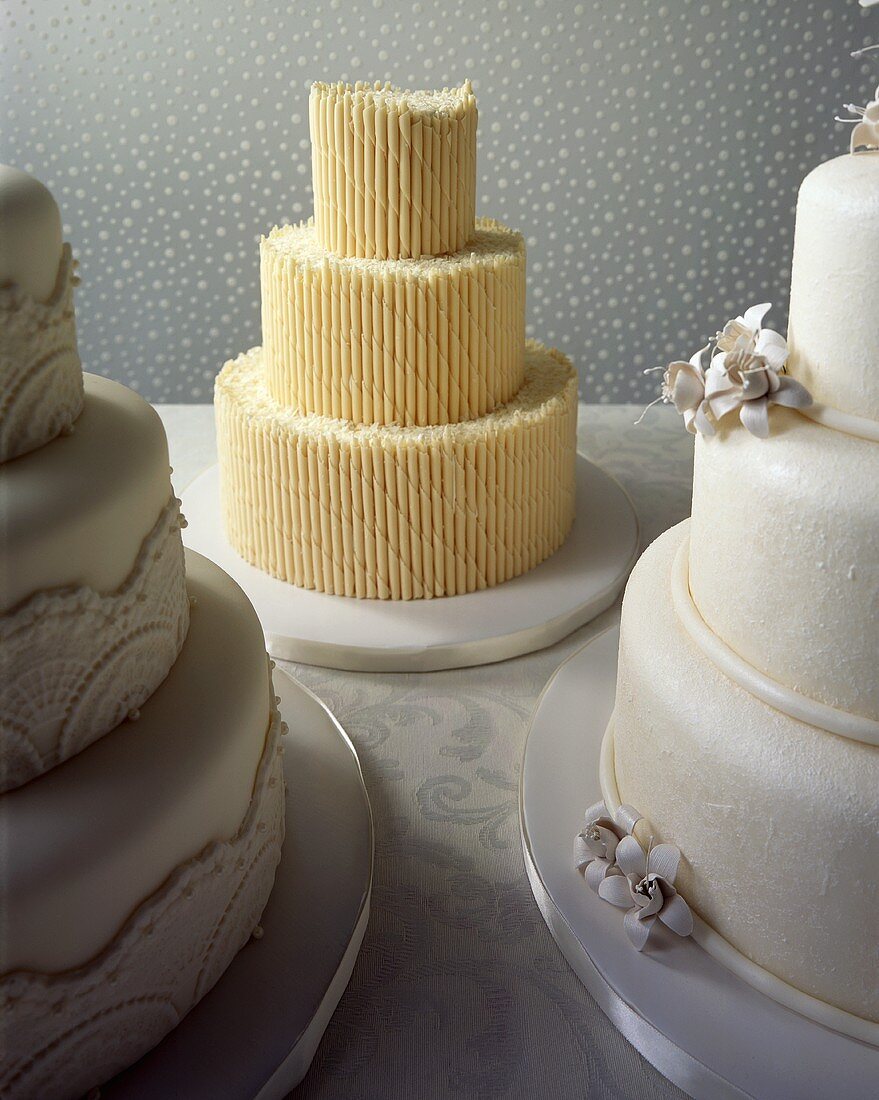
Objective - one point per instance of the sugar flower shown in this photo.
(595, 845)
(683, 385)
(745, 374)
(865, 135)
(643, 884)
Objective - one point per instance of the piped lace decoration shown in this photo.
(77, 662)
(67, 1032)
(41, 386)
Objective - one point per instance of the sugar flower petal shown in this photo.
(616, 890)
(597, 871)
(686, 386)
(637, 929)
(664, 860)
(771, 346)
(753, 317)
(676, 915)
(755, 417)
(631, 857)
(627, 817)
(791, 393)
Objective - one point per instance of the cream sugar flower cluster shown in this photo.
(865, 135)
(745, 375)
(622, 873)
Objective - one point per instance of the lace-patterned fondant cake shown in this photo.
(141, 794)
(746, 726)
(395, 437)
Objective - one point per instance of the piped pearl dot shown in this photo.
(193, 600)
(133, 715)
(258, 933)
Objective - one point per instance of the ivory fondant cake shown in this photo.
(395, 437)
(41, 390)
(142, 810)
(746, 727)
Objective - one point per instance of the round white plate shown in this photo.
(702, 1027)
(254, 1035)
(532, 611)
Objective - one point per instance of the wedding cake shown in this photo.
(746, 727)
(396, 436)
(142, 804)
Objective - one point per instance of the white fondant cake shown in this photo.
(134, 872)
(93, 602)
(395, 438)
(746, 726)
(141, 798)
(783, 558)
(776, 819)
(30, 228)
(40, 373)
(834, 338)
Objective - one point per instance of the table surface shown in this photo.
(459, 989)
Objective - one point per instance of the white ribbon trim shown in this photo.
(840, 421)
(854, 726)
(730, 957)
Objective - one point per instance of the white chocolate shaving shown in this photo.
(393, 172)
(412, 342)
(393, 512)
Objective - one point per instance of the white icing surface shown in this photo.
(30, 234)
(86, 843)
(833, 334)
(784, 558)
(777, 819)
(76, 511)
(41, 384)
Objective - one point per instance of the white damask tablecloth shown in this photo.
(459, 989)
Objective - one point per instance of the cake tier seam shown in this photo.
(777, 695)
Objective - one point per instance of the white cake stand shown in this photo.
(535, 610)
(254, 1035)
(701, 1026)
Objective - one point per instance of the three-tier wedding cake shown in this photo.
(142, 804)
(396, 436)
(746, 726)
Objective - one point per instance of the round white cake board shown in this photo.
(571, 587)
(254, 1035)
(702, 1027)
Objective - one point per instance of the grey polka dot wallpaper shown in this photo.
(649, 151)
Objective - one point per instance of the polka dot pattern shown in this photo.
(650, 153)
